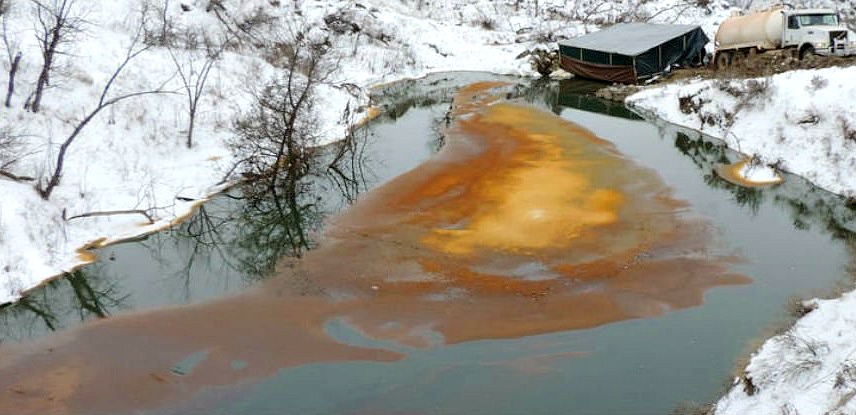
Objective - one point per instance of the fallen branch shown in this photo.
(115, 212)
(15, 177)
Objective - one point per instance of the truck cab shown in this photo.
(817, 31)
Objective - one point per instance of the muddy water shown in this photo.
(417, 297)
(523, 224)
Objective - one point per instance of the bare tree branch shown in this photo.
(57, 22)
(193, 80)
(15, 177)
(45, 190)
(13, 54)
(114, 213)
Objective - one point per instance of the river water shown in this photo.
(789, 240)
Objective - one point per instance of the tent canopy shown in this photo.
(631, 51)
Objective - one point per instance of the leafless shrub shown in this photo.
(807, 352)
(486, 23)
(729, 86)
(704, 4)
(788, 409)
(158, 28)
(748, 385)
(817, 83)
(341, 23)
(695, 104)
(845, 375)
(677, 9)
(690, 104)
(9, 149)
(544, 61)
(746, 91)
(797, 307)
(848, 131)
(848, 16)
(757, 87)
(245, 30)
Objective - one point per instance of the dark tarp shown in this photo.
(631, 52)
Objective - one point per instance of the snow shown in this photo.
(802, 122)
(758, 174)
(132, 155)
(810, 369)
(750, 173)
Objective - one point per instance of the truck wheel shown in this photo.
(805, 51)
(722, 60)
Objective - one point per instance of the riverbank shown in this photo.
(436, 257)
(134, 157)
(802, 122)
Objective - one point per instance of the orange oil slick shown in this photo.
(732, 174)
(523, 224)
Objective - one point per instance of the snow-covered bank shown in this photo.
(803, 122)
(132, 155)
(809, 369)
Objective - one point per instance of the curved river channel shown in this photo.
(487, 245)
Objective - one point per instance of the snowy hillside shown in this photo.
(132, 156)
(802, 121)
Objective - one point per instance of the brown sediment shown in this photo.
(732, 174)
(523, 224)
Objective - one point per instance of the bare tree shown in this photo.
(194, 75)
(12, 52)
(160, 29)
(517, 7)
(9, 153)
(46, 188)
(276, 141)
(57, 23)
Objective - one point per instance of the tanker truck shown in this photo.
(801, 32)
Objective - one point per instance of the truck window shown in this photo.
(817, 20)
(793, 22)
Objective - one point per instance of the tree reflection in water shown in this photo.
(242, 236)
(266, 223)
(806, 204)
(248, 230)
(75, 297)
(233, 240)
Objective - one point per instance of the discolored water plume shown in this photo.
(522, 224)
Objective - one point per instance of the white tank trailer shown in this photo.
(804, 32)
